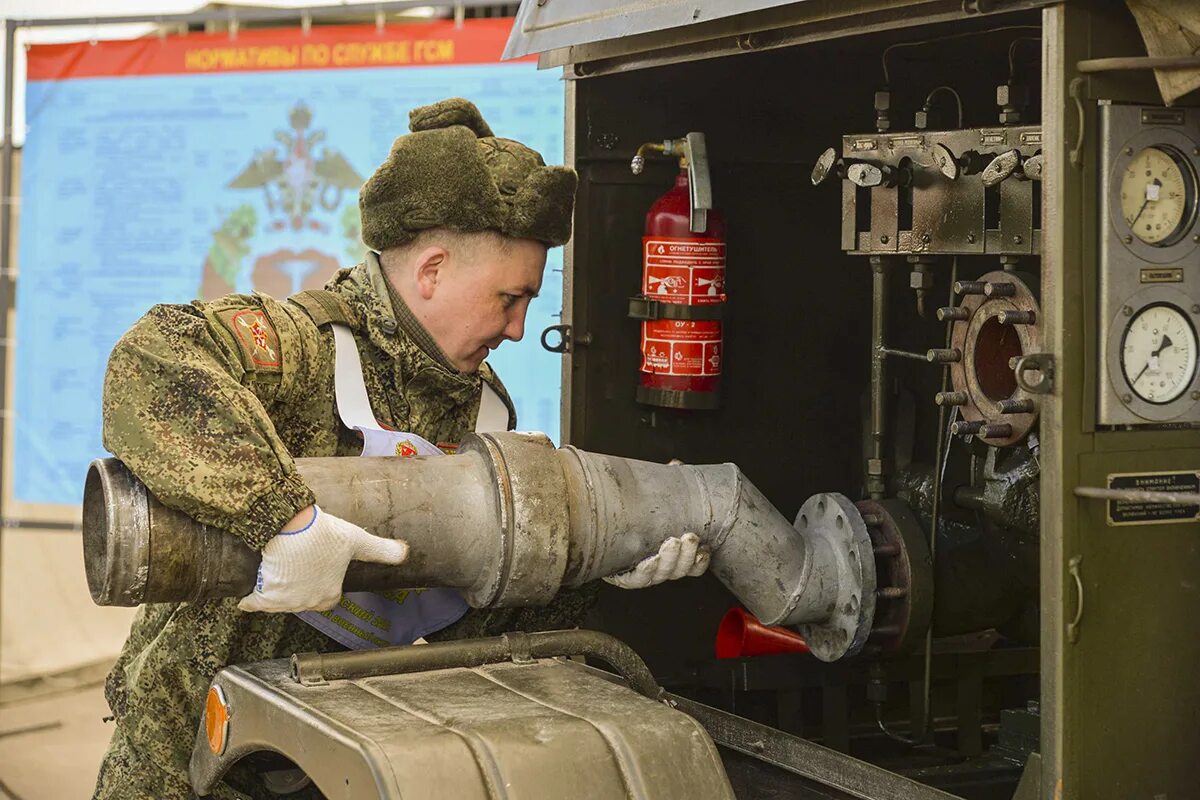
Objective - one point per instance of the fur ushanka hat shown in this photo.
(452, 172)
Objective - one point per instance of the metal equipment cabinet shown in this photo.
(772, 84)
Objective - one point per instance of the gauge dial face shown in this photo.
(1158, 353)
(1158, 195)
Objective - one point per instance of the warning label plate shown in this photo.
(681, 347)
(1126, 513)
(688, 271)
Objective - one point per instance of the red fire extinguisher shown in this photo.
(683, 285)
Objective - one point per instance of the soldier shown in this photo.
(209, 404)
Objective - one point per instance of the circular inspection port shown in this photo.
(994, 346)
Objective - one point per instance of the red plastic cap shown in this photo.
(740, 634)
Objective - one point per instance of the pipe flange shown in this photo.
(534, 519)
(904, 575)
(984, 372)
(835, 526)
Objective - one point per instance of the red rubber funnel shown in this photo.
(740, 634)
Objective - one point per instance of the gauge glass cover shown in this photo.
(1158, 195)
(1158, 353)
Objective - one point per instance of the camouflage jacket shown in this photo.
(208, 404)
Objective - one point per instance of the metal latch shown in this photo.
(567, 340)
(1041, 363)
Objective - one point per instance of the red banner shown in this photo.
(271, 50)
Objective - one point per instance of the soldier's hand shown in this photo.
(303, 570)
(677, 557)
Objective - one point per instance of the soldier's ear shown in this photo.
(427, 270)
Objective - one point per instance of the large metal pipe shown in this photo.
(509, 520)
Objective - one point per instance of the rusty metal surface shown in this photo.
(984, 371)
(536, 729)
(948, 215)
(904, 575)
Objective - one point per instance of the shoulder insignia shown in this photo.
(256, 338)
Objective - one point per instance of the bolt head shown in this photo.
(1127, 311)
(884, 238)
(1196, 395)
(1128, 151)
(1127, 239)
(1196, 308)
(1017, 239)
(1126, 398)
(970, 238)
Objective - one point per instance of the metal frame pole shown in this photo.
(251, 15)
(7, 201)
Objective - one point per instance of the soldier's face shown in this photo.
(482, 297)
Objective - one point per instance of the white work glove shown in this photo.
(303, 570)
(677, 557)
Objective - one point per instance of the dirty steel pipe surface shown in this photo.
(509, 520)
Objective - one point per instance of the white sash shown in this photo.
(363, 620)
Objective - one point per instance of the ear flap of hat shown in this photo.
(444, 113)
(543, 206)
(430, 179)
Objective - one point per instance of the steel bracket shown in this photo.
(644, 308)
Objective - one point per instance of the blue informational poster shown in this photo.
(142, 183)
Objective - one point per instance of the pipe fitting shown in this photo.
(508, 521)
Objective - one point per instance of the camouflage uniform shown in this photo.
(208, 404)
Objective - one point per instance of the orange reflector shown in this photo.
(216, 719)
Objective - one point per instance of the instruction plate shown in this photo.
(1124, 513)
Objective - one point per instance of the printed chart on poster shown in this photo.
(164, 170)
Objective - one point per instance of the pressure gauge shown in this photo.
(1158, 353)
(1158, 195)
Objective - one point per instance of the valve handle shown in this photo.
(1002, 167)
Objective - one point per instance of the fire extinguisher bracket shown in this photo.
(672, 398)
(642, 307)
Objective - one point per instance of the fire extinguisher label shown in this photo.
(681, 347)
(690, 271)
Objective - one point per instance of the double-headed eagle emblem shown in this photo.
(294, 183)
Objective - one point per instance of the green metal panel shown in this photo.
(1118, 687)
(1132, 673)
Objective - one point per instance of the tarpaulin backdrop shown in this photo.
(159, 170)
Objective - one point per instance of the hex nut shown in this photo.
(1012, 94)
(920, 279)
(1010, 117)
